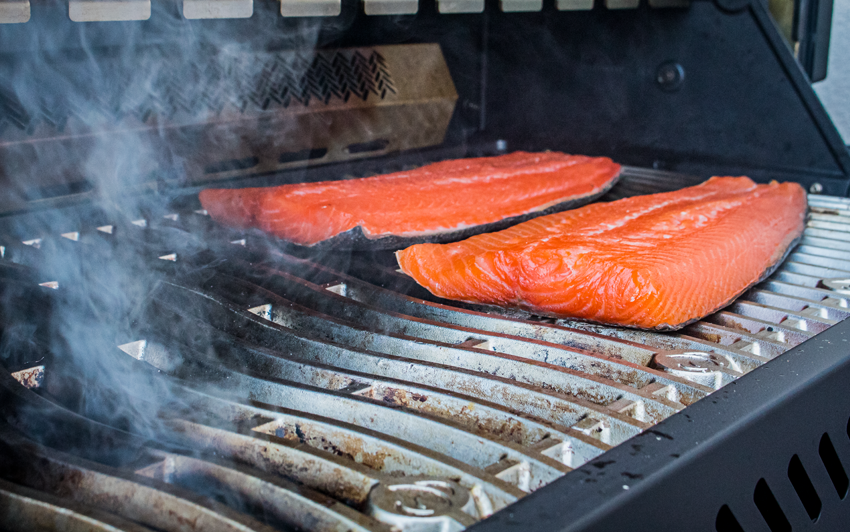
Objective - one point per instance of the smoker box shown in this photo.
(161, 372)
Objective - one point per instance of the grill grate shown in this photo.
(332, 394)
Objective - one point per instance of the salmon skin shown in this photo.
(439, 202)
(653, 262)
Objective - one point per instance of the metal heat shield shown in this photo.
(184, 121)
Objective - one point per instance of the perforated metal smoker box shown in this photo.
(163, 372)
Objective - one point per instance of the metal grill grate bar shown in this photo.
(542, 403)
(392, 325)
(326, 385)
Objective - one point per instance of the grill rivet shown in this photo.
(816, 188)
(414, 501)
(709, 369)
(670, 76)
(842, 286)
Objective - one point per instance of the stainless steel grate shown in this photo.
(330, 394)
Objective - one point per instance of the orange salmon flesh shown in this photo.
(652, 262)
(438, 198)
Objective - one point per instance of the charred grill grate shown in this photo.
(179, 89)
(275, 390)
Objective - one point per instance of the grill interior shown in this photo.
(246, 385)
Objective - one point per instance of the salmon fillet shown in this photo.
(445, 200)
(652, 262)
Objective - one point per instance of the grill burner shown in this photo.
(332, 393)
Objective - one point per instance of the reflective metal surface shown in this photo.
(270, 388)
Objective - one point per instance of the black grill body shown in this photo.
(679, 93)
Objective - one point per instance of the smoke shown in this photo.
(112, 114)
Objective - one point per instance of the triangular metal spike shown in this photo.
(202, 212)
(30, 378)
(477, 343)
(2, 252)
(35, 242)
(337, 288)
(135, 349)
(50, 284)
(263, 311)
(172, 257)
(106, 229)
(74, 235)
(356, 388)
(173, 217)
(140, 223)
(239, 242)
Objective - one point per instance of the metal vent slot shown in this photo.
(302, 155)
(726, 521)
(769, 508)
(804, 487)
(233, 164)
(365, 147)
(52, 191)
(833, 466)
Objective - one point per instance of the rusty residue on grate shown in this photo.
(325, 393)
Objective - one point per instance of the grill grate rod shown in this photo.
(278, 361)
